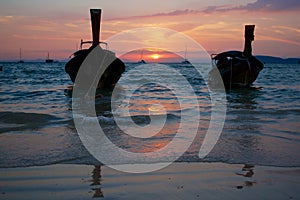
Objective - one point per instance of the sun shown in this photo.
(155, 56)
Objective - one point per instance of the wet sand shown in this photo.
(178, 181)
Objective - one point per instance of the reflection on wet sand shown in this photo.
(177, 181)
(248, 172)
(96, 181)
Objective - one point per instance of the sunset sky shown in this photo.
(55, 26)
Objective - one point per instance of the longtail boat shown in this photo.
(113, 72)
(238, 69)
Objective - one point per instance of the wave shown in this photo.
(17, 121)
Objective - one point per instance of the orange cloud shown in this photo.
(6, 19)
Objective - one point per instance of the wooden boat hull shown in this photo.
(236, 69)
(110, 76)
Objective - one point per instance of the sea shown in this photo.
(261, 127)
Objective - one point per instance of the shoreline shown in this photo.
(177, 181)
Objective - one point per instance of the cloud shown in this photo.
(176, 13)
(287, 28)
(6, 19)
(71, 25)
(161, 14)
(259, 5)
(273, 5)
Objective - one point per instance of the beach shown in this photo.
(177, 181)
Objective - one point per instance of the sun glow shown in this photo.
(155, 56)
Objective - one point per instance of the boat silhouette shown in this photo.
(114, 71)
(48, 60)
(238, 69)
(185, 61)
(142, 61)
(21, 61)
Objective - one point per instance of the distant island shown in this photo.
(278, 60)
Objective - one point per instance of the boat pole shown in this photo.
(249, 37)
(95, 20)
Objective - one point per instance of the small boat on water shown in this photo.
(185, 61)
(48, 60)
(21, 61)
(238, 69)
(113, 72)
(142, 61)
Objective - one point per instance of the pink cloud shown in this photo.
(273, 5)
(259, 5)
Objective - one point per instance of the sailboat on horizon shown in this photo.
(48, 60)
(21, 61)
(141, 60)
(185, 59)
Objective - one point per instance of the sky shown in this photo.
(39, 27)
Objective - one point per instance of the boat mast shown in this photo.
(21, 61)
(142, 52)
(95, 20)
(249, 37)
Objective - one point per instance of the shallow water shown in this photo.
(37, 128)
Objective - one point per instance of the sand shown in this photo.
(177, 181)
